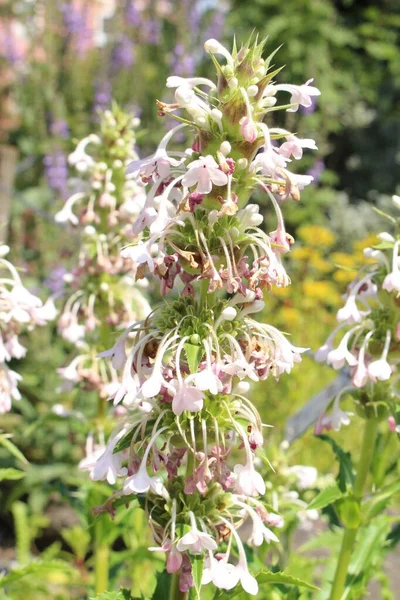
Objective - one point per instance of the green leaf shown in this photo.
(281, 578)
(325, 497)
(380, 500)
(123, 594)
(11, 474)
(163, 586)
(346, 473)
(270, 578)
(194, 355)
(349, 511)
(197, 572)
(12, 449)
(124, 442)
(383, 246)
(35, 568)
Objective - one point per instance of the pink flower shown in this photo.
(186, 397)
(300, 94)
(204, 172)
(294, 146)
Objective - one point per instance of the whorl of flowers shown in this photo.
(103, 207)
(369, 332)
(187, 367)
(19, 310)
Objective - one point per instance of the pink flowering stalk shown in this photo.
(188, 443)
(367, 337)
(20, 311)
(104, 204)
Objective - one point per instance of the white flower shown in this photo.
(141, 482)
(306, 476)
(204, 172)
(141, 254)
(108, 464)
(222, 574)
(392, 280)
(259, 533)
(195, 541)
(341, 354)
(380, 369)
(248, 481)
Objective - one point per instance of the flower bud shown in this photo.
(229, 313)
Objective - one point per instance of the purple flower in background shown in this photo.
(75, 22)
(56, 171)
(55, 281)
(132, 15)
(102, 96)
(11, 53)
(152, 31)
(316, 170)
(124, 53)
(214, 30)
(182, 62)
(193, 16)
(59, 128)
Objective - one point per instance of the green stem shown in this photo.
(349, 536)
(101, 561)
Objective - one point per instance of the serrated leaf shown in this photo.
(270, 578)
(194, 355)
(197, 572)
(12, 449)
(346, 474)
(325, 497)
(281, 578)
(11, 474)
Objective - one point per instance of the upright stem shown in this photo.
(349, 536)
(101, 561)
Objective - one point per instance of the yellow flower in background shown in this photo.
(344, 276)
(369, 240)
(315, 235)
(290, 316)
(283, 292)
(319, 263)
(344, 260)
(301, 253)
(321, 290)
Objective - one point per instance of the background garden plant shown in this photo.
(47, 107)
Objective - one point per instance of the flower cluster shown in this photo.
(19, 310)
(370, 326)
(187, 367)
(103, 205)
